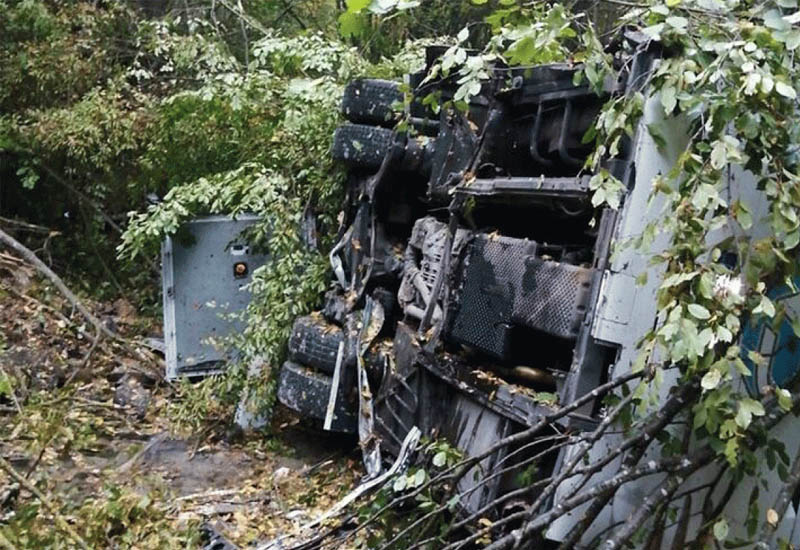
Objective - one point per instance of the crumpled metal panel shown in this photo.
(553, 297)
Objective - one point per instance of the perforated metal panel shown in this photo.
(202, 289)
(491, 276)
(504, 284)
(554, 297)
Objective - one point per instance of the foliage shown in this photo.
(117, 518)
(391, 522)
(180, 105)
(381, 27)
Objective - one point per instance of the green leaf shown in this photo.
(740, 366)
(440, 459)
(698, 311)
(774, 20)
(657, 135)
(668, 100)
(724, 335)
(719, 155)
(352, 24)
(756, 358)
(706, 286)
(357, 5)
(545, 398)
(677, 22)
(742, 214)
(785, 90)
(399, 484)
(748, 408)
(711, 380)
(599, 197)
(721, 529)
(784, 399)
(766, 307)
(654, 31)
(5, 385)
(793, 40)
(419, 477)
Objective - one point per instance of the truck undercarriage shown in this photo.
(476, 297)
(467, 270)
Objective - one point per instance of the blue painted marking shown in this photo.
(784, 357)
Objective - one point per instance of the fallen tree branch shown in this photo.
(455, 472)
(59, 520)
(681, 466)
(661, 496)
(33, 259)
(638, 445)
(25, 226)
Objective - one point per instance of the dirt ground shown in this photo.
(90, 426)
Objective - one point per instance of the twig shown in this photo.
(460, 469)
(97, 337)
(33, 259)
(291, 12)
(26, 226)
(680, 466)
(59, 520)
(209, 494)
(782, 501)
(683, 465)
(580, 452)
(679, 401)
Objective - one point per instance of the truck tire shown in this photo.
(371, 101)
(306, 392)
(315, 343)
(362, 146)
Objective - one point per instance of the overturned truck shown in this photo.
(475, 286)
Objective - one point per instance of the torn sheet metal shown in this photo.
(372, 322)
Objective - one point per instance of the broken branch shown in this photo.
(33, 259)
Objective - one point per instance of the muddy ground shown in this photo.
(93, 427)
